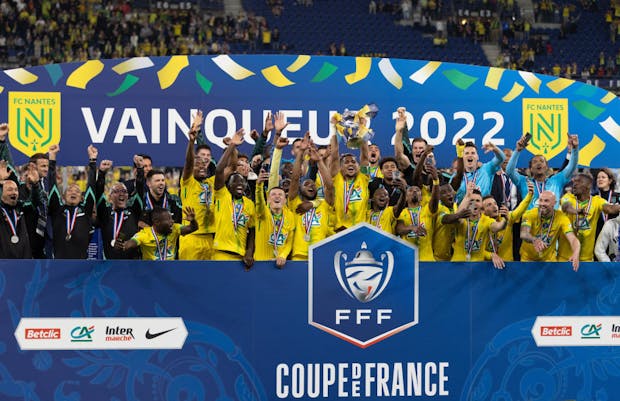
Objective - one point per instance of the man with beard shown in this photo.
(159, 241)
(416, 222)
(473, 232)
(389, 172)
(502, 241)
(118, 215)
(481, 177)
(313, 215)
(541, 228)
(71, 216)
(197, 192)
(157, 196)
(275, 224)
(374, 157)
(14, 240)
(380, 214)
(539, 169)
(583, 211)
(233, 212)
(350, 185)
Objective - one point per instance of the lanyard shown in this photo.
(307, 220)
(71, 221)
(237, 212)
(12, 223)
(585, 213)
(348, 191)
(540, 188)
(150, 203)
(546, 236)
(277, 230)
(118, 224)
(471, 236)
(162, 255)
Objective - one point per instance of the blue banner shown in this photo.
(250, 336)
(145, 105)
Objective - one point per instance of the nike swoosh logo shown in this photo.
(150, 336)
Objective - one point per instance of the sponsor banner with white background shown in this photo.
(101, 333)
(554, 331)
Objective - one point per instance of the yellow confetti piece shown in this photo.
(608, 98)
(84, 73)
(299, 62)
(514, 92)
(22, 76)
(531, 80)
(590, 151)
(136, 63)
(493, 77)
(231, 68)
(424, 73)
(362, 69)
(170, 72)
(1, 89)
(612, 128)
(388, 71)
(558, 85)
(275, 76)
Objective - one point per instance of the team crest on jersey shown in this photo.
(281, 239)
(472, 246)
(356, 194)
(413, 234)
(582, 224)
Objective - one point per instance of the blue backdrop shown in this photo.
(242, 325)
(145, 104)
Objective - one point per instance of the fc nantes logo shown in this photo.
(547, 121)
(34, 118)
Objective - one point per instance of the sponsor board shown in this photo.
(101, 333)
(567, 331)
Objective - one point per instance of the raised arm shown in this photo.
(433, 204)
(188, 169)
(328, 182)
(276, 158)
(89, 196)
(456, 180)
(293, 190)
(190, 216)
(498, 155)
(401, 132)
(5, 151)
(334, 156)
(54, 198)
(220, 170)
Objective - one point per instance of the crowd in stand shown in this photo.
(264, 207)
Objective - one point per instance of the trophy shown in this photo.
(353, 125)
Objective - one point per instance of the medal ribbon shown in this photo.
(348, 191)
(307, 220)
(118, 224)
(277, 229)
(540, 188)
(471, 238)
(149, 202)
(609, 195)
(162, 255)
(12, 223)
(548, 228)
(474, 178)
(237, 212)
(585, 212)
(71, 220)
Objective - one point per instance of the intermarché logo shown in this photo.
(591, 331)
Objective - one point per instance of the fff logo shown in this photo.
(350, 295)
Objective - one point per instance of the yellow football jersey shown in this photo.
(548, 230)
(422, 216)
(157, 247)
(232, 221)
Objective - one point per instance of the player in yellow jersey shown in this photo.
(374, 157)
(197, 192)
(501, 241)
(233, 212)
(445, 230)
(159, 241)
(541, 228)
(584, 211)
(350, 185)
(275, 224)
(472, 232)
(416, 222)
(380, 214)
(312, 215)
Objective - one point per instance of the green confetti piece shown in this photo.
(458, 79)
(587, 109)
(130, 80)
(586, 91)
(204, 83)
(326, 71)
(55, 72)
